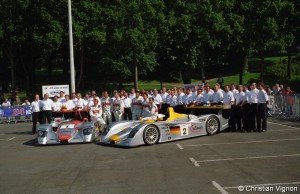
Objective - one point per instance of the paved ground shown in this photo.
(210, 164)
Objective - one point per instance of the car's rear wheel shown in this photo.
(151, 135)
(212, 125)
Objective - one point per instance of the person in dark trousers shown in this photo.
(36, 116)
(262, 108)
(246, 109)
(253, 107)
(127, 109)
(238, 107)
(46, 109)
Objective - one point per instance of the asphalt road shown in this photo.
(208, 165)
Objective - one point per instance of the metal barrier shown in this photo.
(15, 114)
(285, 106)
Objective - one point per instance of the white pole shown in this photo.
(72, 68)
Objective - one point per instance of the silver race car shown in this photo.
(71, 130)
(177, 126)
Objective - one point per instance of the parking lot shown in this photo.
(224, 163)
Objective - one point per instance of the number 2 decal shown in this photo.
(184, 130)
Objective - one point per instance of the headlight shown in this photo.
(42, 133)
(132, 133)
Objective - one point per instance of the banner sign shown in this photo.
(54, 90)
(15, 111)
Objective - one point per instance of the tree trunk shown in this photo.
(12, 64)
(262, 68)
(244, 68)
(81, 68)
(202, 71)
(289, 62)
(136, 76)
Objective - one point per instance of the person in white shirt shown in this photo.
(229, 100)
(118, 107)
(26, 102)
(80, 103)
(198, 99)
(238, 108)
(6, 103)
(179, 104)
(157, 100)
(46, 108)
(127, 107)
(164, 96)
(217, 96)
(74, 99)
(56, 105)
(253, 100)
(172, 99)
(61, 98)
(188, 97)
(152, 110)
(136, 106)
(145, 105)
(68, 104)
(95, 113)
(36, 116)
(132, 94)
(233, 89)
(263, 100)
(246, 109)
(106, 104)
(207, 94)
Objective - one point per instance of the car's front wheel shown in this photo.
(212, 125)
(151, 135)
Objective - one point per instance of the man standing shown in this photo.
(106, 107)
(229, 100)
(179, 104)
(132, 94)
(253, 106)
(80, 104)
(172, 99)
(68, 104)
(207, 94)
(61, 98)
(137, 106)
(35, 105)
(118, 107)
(56, 106)
(157, 100)
(238, 110)
(164, 96)
(246, 109)
(217, 96)
(46, 107)
(263, 99)
(127, 109)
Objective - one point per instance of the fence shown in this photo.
(285, 106)
(15, 114)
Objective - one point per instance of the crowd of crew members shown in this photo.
(248, 104)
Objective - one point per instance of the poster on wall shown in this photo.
(54, 90)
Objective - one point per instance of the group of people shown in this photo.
(248, 104)
(16, 102)
(279, 89)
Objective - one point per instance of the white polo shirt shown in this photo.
(127, 102)
(207, 96)
(157, 99)
(46, 104)
(217, 96)
(262, 97)
(131, 96)
(239, 97)
(254, 96)
(228, 97)
(56, 106)
(164, 97)
(35, 105)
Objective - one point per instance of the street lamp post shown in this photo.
(72, 68)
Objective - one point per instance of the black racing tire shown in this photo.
(212, 125)
(151, 135)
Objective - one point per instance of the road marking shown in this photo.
(266, 184)
(179, 146)
(194, 162)
(219, 187)
(283, 125)
(242, 142)
(246, 158)
(11, 138)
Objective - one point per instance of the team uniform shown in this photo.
(96, 115)
(150, 111)
(165, 105)
(118, 109)
(217, 97)
(207, 96)
(56, 106)
(172, 101)
(158, 101)
(46, 106)
(137, 107)
(228, 100)
(246, 111)
(68, 104)
(107, 109)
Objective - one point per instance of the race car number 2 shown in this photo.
(184, 130)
